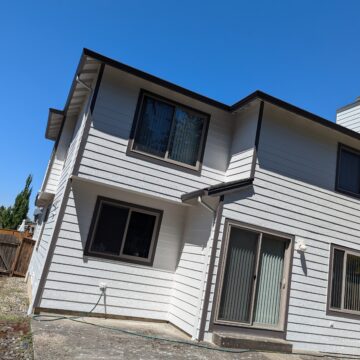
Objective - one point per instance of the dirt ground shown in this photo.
(15, 332)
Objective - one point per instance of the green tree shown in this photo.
(11, 217)
(2, 208)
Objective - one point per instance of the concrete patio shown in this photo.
(66, 339)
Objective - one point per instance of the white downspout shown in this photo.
(195, 335)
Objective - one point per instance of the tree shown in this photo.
(2, 208)
(11, 217)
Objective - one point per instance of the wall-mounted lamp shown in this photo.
(300, 245)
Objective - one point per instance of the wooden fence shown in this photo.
(15, 252)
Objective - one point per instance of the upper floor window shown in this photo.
(348, 171)
(169, 131)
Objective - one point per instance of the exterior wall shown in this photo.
(68, 144)
(189, 276)
(350, 117)
(105, 157)
(133, 290)
(294, 193)
(59, 155)
(242, 150)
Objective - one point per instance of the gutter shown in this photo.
(218, 189)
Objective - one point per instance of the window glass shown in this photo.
(337, 277)
(154, 127)
(345, 290)
(349, 172)
(170, 132)
(110, 229)
(186, 137)
(352, 283)
(123, 231)
(139, 234)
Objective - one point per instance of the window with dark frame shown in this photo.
(123, 231)
(345, 280)
(170, 132)
(348, 171)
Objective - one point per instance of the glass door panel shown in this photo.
(238, 280)
(270, 274)
(251, 290)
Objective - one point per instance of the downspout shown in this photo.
(210, 269)
(206, 206)
(203, 275)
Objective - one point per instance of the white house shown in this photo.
(225, 221)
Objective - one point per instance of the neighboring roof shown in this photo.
(218, 189)
(349, 106)
(88, 57)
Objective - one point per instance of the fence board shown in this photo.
(15, 252)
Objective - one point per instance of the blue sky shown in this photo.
(304, 52)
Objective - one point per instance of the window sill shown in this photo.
(117, 259)
(344, 314)
(164, 162)
(347, 193)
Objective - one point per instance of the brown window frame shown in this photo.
(123, 257)
(289, 241)
(336, 311)
(166, 160)
(342, 147)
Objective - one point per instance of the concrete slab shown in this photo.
(65, 339)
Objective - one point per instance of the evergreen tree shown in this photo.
(11, 217)
(2, 208)
(6, 218)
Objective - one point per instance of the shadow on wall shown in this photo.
(247, 192)
(84, 206)
(296, 148)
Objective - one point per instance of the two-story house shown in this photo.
(226, 221)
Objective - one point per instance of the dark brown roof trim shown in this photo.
(253, 96)
(155, 79)
(56, 111)
(296, 110)
(218, 189)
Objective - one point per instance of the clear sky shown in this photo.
(304, 52)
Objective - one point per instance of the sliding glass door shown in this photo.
(253, 278)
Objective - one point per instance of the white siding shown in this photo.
(133, 290)
(105, 156)
(189, 279)
(350, 117)
(58, 157)
(68, 144)
(242, 149)
(293, 193)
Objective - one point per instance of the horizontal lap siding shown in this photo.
(189, 275)
(293, 193)
(41, 250)
(350, 118)
(132, 290)
(243, 142)
(105, 157)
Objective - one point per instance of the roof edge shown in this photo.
(146, 76)
(229, 108)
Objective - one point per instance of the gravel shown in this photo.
(15, 331)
